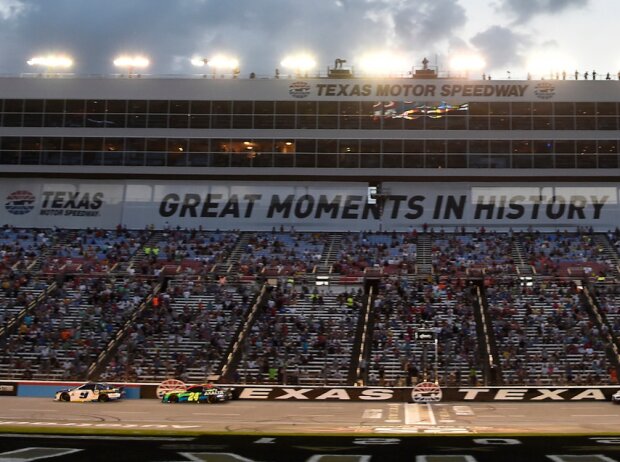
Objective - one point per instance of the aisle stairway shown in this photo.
(424, 258)
(330, 255)
(520, 258)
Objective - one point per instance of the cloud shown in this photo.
(259, 33)
(420, 24)
(11, 9)
(500, 46)
(94, 32)
(524, 10)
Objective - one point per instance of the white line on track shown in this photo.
(431, 414)
(412, 414)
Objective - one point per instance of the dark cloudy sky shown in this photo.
(508, 33)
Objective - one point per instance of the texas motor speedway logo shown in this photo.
(56, 203)
(544, 90)
(20, 202)
(299, 89)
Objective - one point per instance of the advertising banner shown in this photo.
(421, 393)
(413, 394)
(309, 206)
(65, 204)
(8, 389)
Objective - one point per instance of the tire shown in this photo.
(65, 397)
(174, 399)
(104, 398)
(211, 400)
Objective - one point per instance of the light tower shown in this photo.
(131, 63)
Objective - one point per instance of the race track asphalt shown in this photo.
(255, 431)
(294, 417)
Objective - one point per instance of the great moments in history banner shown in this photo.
(311, 206)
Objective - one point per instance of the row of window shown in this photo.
(362, 108)
(307, 160)
(312, 115)
(250, 147)
(457, 121)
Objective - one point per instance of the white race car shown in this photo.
(91, 391)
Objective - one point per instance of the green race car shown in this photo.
(198, 394)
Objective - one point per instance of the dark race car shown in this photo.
(198, 394)
(91, 391)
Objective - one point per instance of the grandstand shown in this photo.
(306, 231)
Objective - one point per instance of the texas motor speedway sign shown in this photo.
(407, 394)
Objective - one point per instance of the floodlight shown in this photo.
(131, 62)
(199, 62)
(300, 63)
(467, 62)
(223, 62)
(383, 63)
(51, 61)
(549, 63)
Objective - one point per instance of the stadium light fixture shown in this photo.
(381, 63)
(223, 62)
(466, 63)
(218, 63)
(549, 64)
(299, 63)
(51, 61)
(132, 62)
(199, 62)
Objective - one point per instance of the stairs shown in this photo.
(424, 258)
(232, 263)
(138, 257)
(330, 255)
(519, 257)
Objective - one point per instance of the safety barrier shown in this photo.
(422, 393)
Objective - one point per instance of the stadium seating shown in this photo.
(545, 335)
(185, 334)
(61, 336)
(287, 307)
(302, 337)
(400, 311)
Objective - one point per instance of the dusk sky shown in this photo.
(575, 34)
